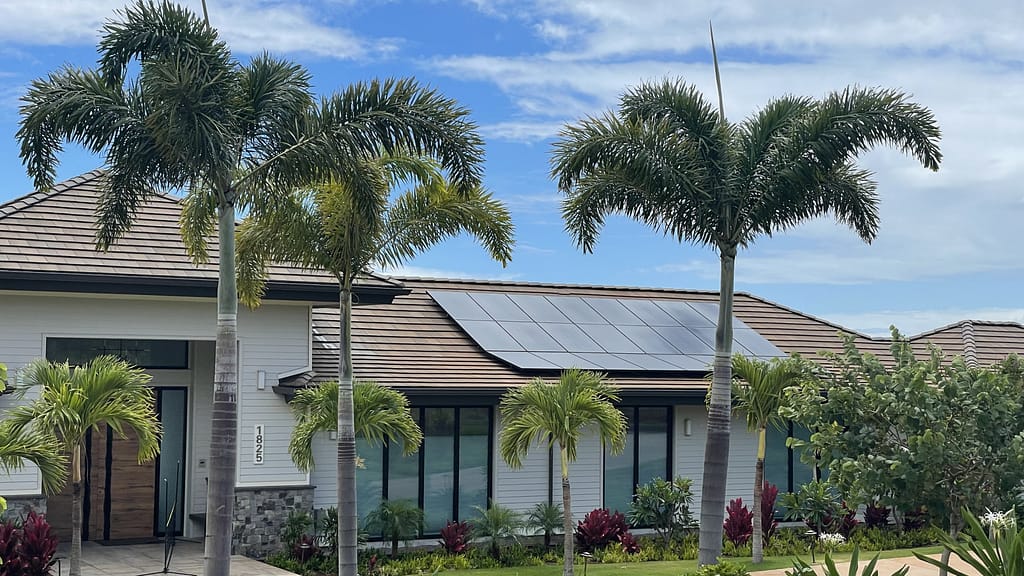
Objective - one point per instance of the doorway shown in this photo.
(172, 408)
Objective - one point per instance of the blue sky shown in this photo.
(948, 246)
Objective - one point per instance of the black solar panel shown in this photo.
(537, 332)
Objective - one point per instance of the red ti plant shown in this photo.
(739, 522)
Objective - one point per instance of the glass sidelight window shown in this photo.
(150, 354)
(447, 477)
(647, 455)
(782, 464)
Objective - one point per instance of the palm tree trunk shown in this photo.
(76, 512)
(716, 448)
(224, 424)
(348, 516)
(569, 557)
(757, 547)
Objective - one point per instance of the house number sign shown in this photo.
(257, 454)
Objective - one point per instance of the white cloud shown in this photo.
(913, 322)
(249, 27)
(523, 132)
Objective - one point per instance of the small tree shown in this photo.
(105, 392)
(395, 520)
(496, 524)
(546, 518)
(663, 506)
(560, 414)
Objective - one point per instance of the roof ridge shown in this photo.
(970, 346)
(37, 196)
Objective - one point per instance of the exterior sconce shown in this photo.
(261, 380)
(687, 427)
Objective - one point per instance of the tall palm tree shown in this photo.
(758, 396)
(380, 414)
(104, 392)
(234, 135)
(560, 413)
(670, 160)
(343, 227)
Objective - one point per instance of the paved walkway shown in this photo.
(887, 566)
(133, 560)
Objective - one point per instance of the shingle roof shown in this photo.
(53, 232)
(412, 343)
(986, 342)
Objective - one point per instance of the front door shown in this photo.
(170, 467)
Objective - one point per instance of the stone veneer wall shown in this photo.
(260, 516)
(19, 506)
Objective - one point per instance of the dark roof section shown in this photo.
(47, 243)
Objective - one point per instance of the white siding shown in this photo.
(274, 339)
(325, 475)
(201, 394)
(585, 476)
(523, 488)
(689, 455)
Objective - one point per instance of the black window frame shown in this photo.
(121, 342)
(633, 414)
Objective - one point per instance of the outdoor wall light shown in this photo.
(261, 380)
(333, 435)
(687, 427)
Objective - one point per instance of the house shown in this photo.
(453, 346)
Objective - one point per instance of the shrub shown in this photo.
(455, 537)
(628, 543)
(395, 520)
(816, 504)
(496, 524)
(29, 549)
(846, 521)
(724, 568)
(663, 506)
(295, 527)
(329, 530)
(546, 519)
(802, 568)
(599, 528)
(768, 522)
(876, 515)
(915, 519)
(739, 522)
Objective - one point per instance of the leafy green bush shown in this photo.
(723, 568)
(395, 520)
(328, 530)
(663, 506)
(816, 503)
(295, 527)
(547, 519)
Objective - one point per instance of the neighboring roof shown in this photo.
(47, 242)
(982, 342)
(412, 344)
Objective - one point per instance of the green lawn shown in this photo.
(680, 567)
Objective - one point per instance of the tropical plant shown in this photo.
(295, 527)
(395, 520)
(496, 524)
(546, 518)
(724, 568)
(802, 568)
(876, 515)
(346, 224)
(328, 530)
(236, 136)
(105, 392)
(381, 414)
(758, 396)
(599, 528)
(769, 493)
(670, 160)
(35, 446)
(560, 414)
(28, 548)
(998, 554)
(739, 522)
(663, 506)
(816, 504)
(455, 537)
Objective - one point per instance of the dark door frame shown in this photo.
(158, 524)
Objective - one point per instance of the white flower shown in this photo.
(997, 520)
(831, 540)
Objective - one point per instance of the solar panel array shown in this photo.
(547, 332)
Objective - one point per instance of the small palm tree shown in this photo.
(395, 520)
(546, 518)
(34, 446)
(381, 414)
(669, 159)
(104, 392)
(343, 227)
(560, 414)
(496, 523)
(759, 396)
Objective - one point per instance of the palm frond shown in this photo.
(18, 447)
(274, 93)
(761, 385)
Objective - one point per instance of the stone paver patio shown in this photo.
(133, 560)
(887, 566)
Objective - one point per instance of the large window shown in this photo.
(782, 465)
(647, 455)
(151, 354)
(447, 477)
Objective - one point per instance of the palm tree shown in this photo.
(561, 413)
(380, 414)
(395, 520)
(31, 446)
(105, 392)
(343, 227)
(670, 160)
(496, 524)
(759, 397)
(235, 136)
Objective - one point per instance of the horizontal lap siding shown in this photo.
(522, 488)
(585, 476)
(325, 475)
(274, 339)
(689, 455)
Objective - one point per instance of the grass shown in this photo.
(680, 567)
